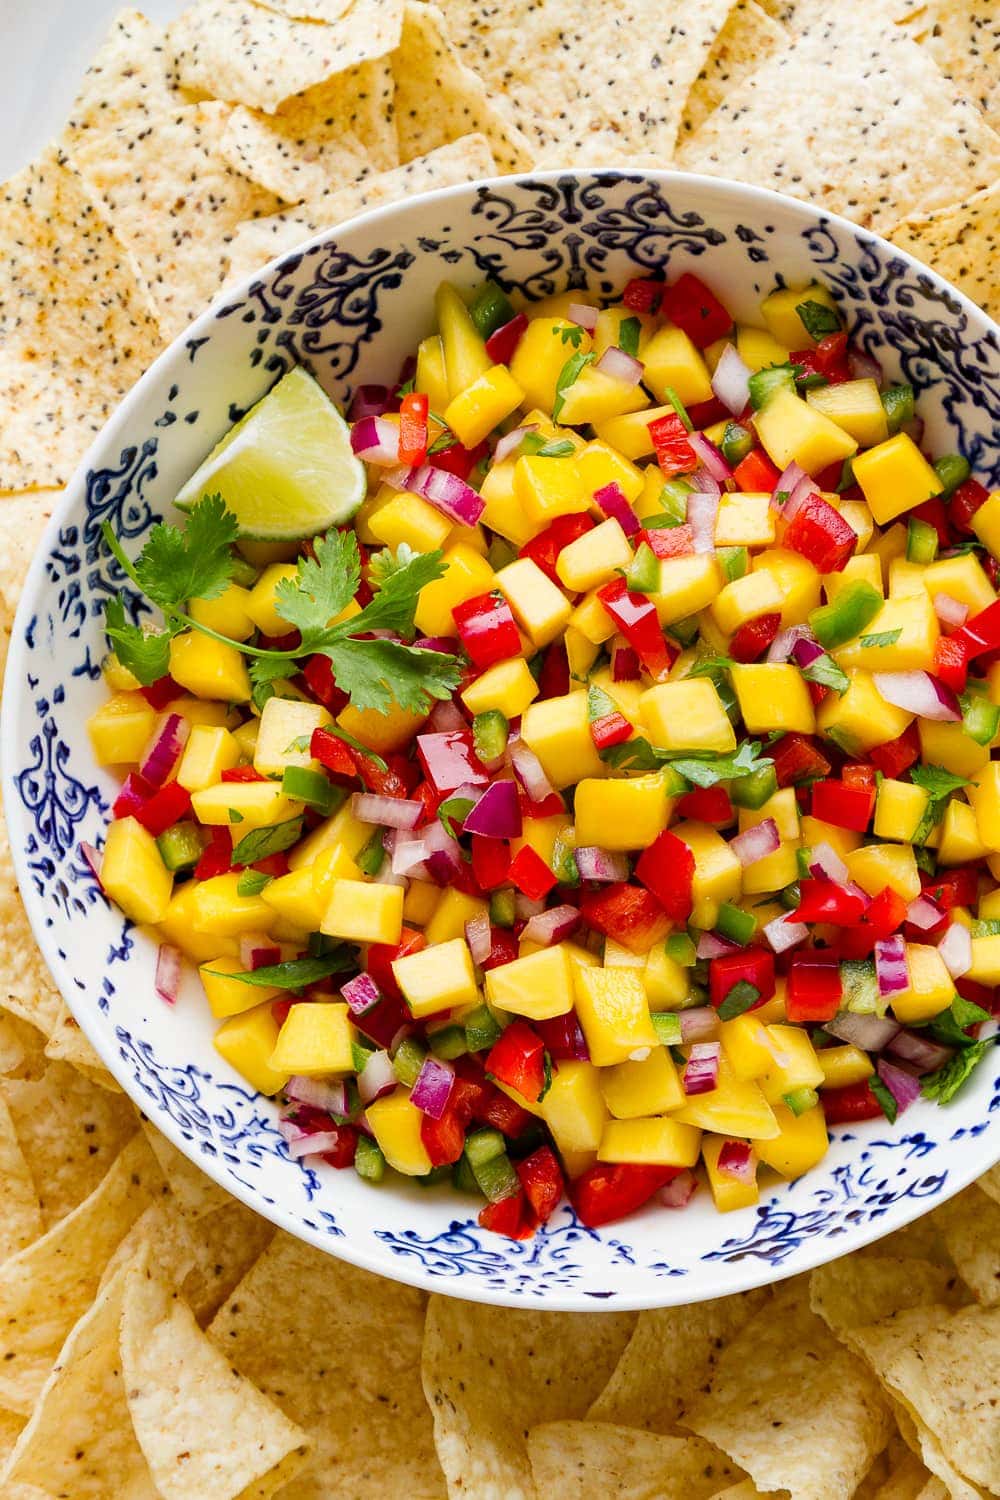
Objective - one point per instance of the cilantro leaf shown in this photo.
(949, 1027)
(825, 671)
(196, 563)
(323, 585)
(374, 673)
(572, 335)
(945, 1083)
(146, 654)
(263, 842)
(886, 1099)
(628, 336)
(633, 755)
(704, 773)
(818, 319)
(397, 589)
(881, 638)
(555, 448)
(740, 998)
(296, 973)
(708, 666)
(599, 703)
(567, 376)
(936, 781)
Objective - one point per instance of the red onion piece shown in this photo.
(826, 863)
(132, 797)
(327, 1095)
(951, 612)
(919, 693)
(702, 510)
(756, 843)
(714, 945)
(783, 644)
(710, 456)
(479, 937)
(376, 1077)
(370, 401)
(794, 483)
(551, 926)
(890, 966)
(529, 772)
(389, 812)
(730, 382)
(497, 814)
(679, 1190)
(433, 1087)
(446, 716)
(447, 493)
(616, 507)
(700, 1024)
(376, 441)
(526, 907)
(302, 1142)
(92, 860)
(701, 1071)
(782, 934)
(511, 441)
(903, 1086)
(583, 314)
(702, 482)
(362, 994)
(955, 949)
(602, 865)
(257, 950)
(870, 1033)
(855, 890)
(164, 749)
(913, 1047)
(168, 972)
(925, 913)
(862, 366)
(618, 365)
(736, 1159)
(625, 665)
(806, 651)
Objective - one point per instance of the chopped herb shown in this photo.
(826, 673)
(628, 336)
(936, 781)
(667, 1026)
(949, 1027)
(252, 882)
(234, 816)
(881, 638)
(709, 666)
(671, 395)
(781, 496)
(886, 1100)
(446, 439)
(568, 376)
(558, 448)
(704, 773)
(263, 842)
(818, 320)
(742, 997)
(572, 335)
(296, 973)
(298, 745)
(945, 1083)
(371, 857)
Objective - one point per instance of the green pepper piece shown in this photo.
(643, 573)
(736, 443)
(754, 790)
(846, 616)
(489, 309)
(900, 406)
(952, 470)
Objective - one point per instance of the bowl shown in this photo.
(350, 304)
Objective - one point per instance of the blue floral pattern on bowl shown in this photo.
(348, 306)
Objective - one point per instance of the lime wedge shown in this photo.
(286, 469)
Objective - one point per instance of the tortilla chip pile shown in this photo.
(156, 1337)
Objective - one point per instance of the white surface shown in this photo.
(45, 46)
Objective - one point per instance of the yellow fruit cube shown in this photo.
(985, 961)
(592, 620)
(629, 435)
(672, 363)
(594, 558)
(844, 1065)
(906, 579)
(132, 872)
(228, 614)
(208, 668)
(667, 983)
(747, 1044)
(949, 746)
(984, 795)
(930, 990)
(961, 578)
(599, 464)
(687, 715)
(246, 1041)
(574, 1107)
(175, 927)
(728, 1191)
(860, 718)
(503, 510)
(549, 487)
(420, 902)
(395, 1123)
(960, 840)
(218, 908)
(621, 814)
(244, 805)
(437, 978)
(465, 357)
(774, 871)
(507, 686)
(735, 1106)
(364, 913)
(580, 653)
(260, 604)
(539, 986)
(614, 1013)
(794, 1064)
(717, 871)
(798, 582)
(858, 517)
(541, 609)
(541, 354)
(451, 913)
(385, 730)
(208, 752)
(899, 807)
(745, 599)
(879, 865)
(745, 521)
(409, 519)
(773, 697)
(649, 1087)
(986, 523)
(856, 406)
(626, 696)
(204, 711)
(791, 431)
(120, 729)
(913, 649)
(780, 313)
(315, 1038)
(474, 412)
(894, 476)
(466, 574)
(228, 996)
(867, 567)
(687, 585)
(431, 377)
(295, 897)
(540, 834)
(558, 731)
(758, 348)
(801, 1142)
(594, 397)
(245, 736)
(659, 1141)
(286, 728)
(118, 678)
(343, 828)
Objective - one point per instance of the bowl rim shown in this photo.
(743, 1276)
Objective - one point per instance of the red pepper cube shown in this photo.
(507, 1217)
(842, 805)
(487, 629)
(490, 862)
(449, 760)
(318, 677)
(690, 304)
(636, 618)
(886, 914)
(627, 914)
(458, 460)
(666, 868)
(898, 755)
(413, 428)
(610, 1191)
(529, 872)
(828, 358)
(517, 1059)
(332, 753)
(958, 886)
(381, 957)
(814, 988)
(981, 633)
(707, 804)
(444, 1139)
(674, 453)
(612, 729)
(797, 759)
(218, 856)
(668, 541)
(853, 1102)
(756, 474)
(553, 679)
(823, 900)
(821, 535)
(964, 503)
(161, 692)
(135, 791)
(498, 1109)
(754, 966)
(165, 808)
(951, 661)
(544, 549)
(752, 639)
(503, 949)
(643, 295)
(563, 1037)
(542, 1181)
(242, 773)
(504, 340)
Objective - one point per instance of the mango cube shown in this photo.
(728, 1192)
(343, 828)
(856, 406)
(437, 978)
(541, 609)
(431, 377)
(666, 982)
(860, 718)
(209, 751)
(894, 476)
(541, 354)
(930, 990)
(574, 1107)
(407, 518)
(747, 1044)
(474, 412)
(985, 960)
(984, 797)
(913, 624)
(866, 567)
(286, 728)
(745, 599)
(687, 585)
(132, 872)
(948, 745)
(395, 1123)
(465, 357)
(798, 582)
(844, 1065)
(218, 908)
(451, 912)
(744, 520)
(794, 1064)
(773, 696)
(175, 927)
(899, 807)
(687, 715)
(243, 805)
(594, 558)
(594, 397)
(295, 897)
(558, 731)
(600, 464)
(962, 578)
(466, 574)
(621, 814)
(758, 347)
(717, 871)
(539, 986)
(315, 1038)
(629, 435)
(660, 1141)
(228, 996)
(735, 1106)
(364, 913)
(784, 322)
(260, 605)
(791, 431)
(507, 686)
(614, 1013)
(228, 614)
(549, 487)
(384, 730)
(879, 865)
(503, 510)
(801, 1142)
(649, 1087)
(247, 1041)
(120, 729)
(673, 363)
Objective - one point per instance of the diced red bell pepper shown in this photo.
(823, 900)
(611, 729)
(553, 679)
(490, 862)
(898, 755)
(529, 872)
(426, 794)
(707, 804)
(498, 1109)
(797, 759)
(544, 549)
(241, 774)
(668, 541)
(507, 1217)
(382, 1023)
(666, 867)
(343, 1153)
(821, 535)
(828, 358)
(517, 1058)
(610, 1191)
(751, 639)
(413, 428)
(754, 966)
(135, 791)
(165, 808)
(981, 633)
(161, 692)
(503, 949)
(542, 1181)
(636, 618)
(332, 753)
(814, 988)
(549, 807)
(449, 760)
(627, 914)
(643, 295)
(842, 805)
(504, 340)
(964, 503)
(986, 996)
(951, 662)
(318, 677)
(689, 303)
(756, 474)
(707, 413)
(847, 1105)
(856, 942)
(958, 886)
(217, 858)
(487, 629)
(398, 778)
(886, 914)
(858, 774)
(458, 460)
(674, 453)
(381, 957)
(444, 1139)
(563, 1037)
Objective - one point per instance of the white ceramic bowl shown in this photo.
(350, 305)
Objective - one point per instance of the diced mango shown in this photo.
(218, 908)
(931, 987)
(729, 1192)
(984, 796)
(621, 814)
(856, 406)
(745, 599)
(860, 718)
(228, 996)
(773, 696)
(383, 730)
(899, 807)
(949, 746)
(673, 363)
(209, 668)
(286, 729)
(175, 927)
(503, 509)
(507, 686)
(364, 913)
(244, 805)
(758, 348)
(295, 897)
(801, 1142)
(451, 913)
(246, 1041)
(649, 1087)
(549, 487)
(431, 377)
(580, 653)
(774, 871)
(791, 431)
(262, 599)
(228, 613)
(844, 1065)
(879, 865)
(117, 677)
(465, 357)
(894, 476)
(420, 902)
(687, 715)
(660, 1141)
(343, 828)
(794, 1064)
(466, 574)
(540, 608)
(208, 752)
(687, 585)
(798, 582)
(132, 872)
(962, 578)
(409, 519)
(914, 619)
(717, 871)
(558, 731)
(985, 961)
(599, 464)
(594, 558)
(629, 435)
(960, 841)
(473, 413)
(538, 987)
(396, 1125)
(668, 985)
(574, 1107)
(541, 354)
(745, 521)
(437, 978)
(780, 313)
(120, 729)
(594, 397)
(735, 1107)
(866, 567)
(614, 1013)
(315, 1038)
(747, 1044)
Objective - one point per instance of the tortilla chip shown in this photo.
(962, 243)
(48, 1285)
(606, 81)
(69, 1044)
(781, 1382)
(884, 135)
(439, 99)
(990, 1183)
(128, 81)
(748, 37)
(174, 201)
(670, 1356)
(295, 155)
(193, 1193)
(964, 40)
(20, 1213)
(76, 323)
(206, 1433)
(491, 1374)
(853, 1291)
(25, 983)
(906, 1480)
(70, 1131)
(22, 1046)
(291, 1324)
(23, 519)
(919, 1240)
(584, 1460)
(311, 10)
(971, 1226)
(261, 240)
(226, 49)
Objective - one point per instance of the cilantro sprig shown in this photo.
(640, 755)
(176, 566)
